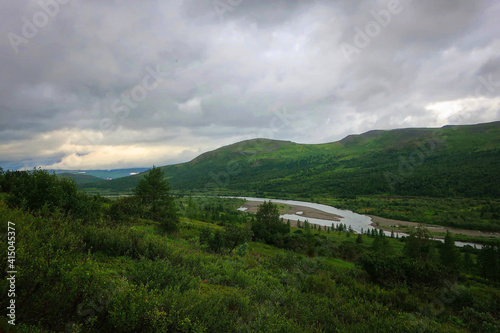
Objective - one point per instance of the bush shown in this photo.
(125, 209)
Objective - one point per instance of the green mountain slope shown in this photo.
(453, 161)
(80, 179)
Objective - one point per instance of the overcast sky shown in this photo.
(113, 84)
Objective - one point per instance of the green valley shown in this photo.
(153, 262)
(429, 167)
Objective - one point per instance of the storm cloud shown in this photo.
(110, 84)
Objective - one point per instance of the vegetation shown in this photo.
(153, 193)
(119, 271)
(157, 260)
(411, 162)
(445, 176)
(478, 214)
(269, 227)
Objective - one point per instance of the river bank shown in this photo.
(300, 210)
(403, 226)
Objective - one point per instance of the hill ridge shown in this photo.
(460, 161)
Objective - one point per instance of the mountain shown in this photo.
(103, 174)
(80, 179)
(453, 161)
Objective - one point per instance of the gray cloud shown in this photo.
(162, 81)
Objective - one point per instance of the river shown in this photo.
(349, 218)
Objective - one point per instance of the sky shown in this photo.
(115, 84)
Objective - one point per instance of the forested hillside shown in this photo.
(454, 161)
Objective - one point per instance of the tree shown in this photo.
(153, 191)
(268, 225)
(381, 244)
(216, 243)
(468, 263)
(418, 244)
(359, 240)
(192, 209)
(235, 236)
(450, 256)
(489, 262)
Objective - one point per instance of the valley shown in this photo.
(197, 246)
(441, 177)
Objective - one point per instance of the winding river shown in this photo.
(349, 218)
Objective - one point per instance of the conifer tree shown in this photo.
(153, 191)
(450, 256)
(359, 240)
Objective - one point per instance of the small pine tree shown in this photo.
(216, 243)
(468, 263)
(359, 240)
(450, 256)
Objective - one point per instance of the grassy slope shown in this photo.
(173, 284)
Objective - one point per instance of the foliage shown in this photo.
(419, 245)
(453, 162)
(130, 278)
(449, 254)
(125, 208)
(39, 191)
(153, 192)
(459, 213)
(268, 226)
(225, 242)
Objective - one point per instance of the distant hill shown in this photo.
(104, 174)
(453, 161)
(80, 179)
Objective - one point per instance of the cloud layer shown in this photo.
(95, 84)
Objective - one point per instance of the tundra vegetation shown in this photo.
(154, 262)
(447, 176)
